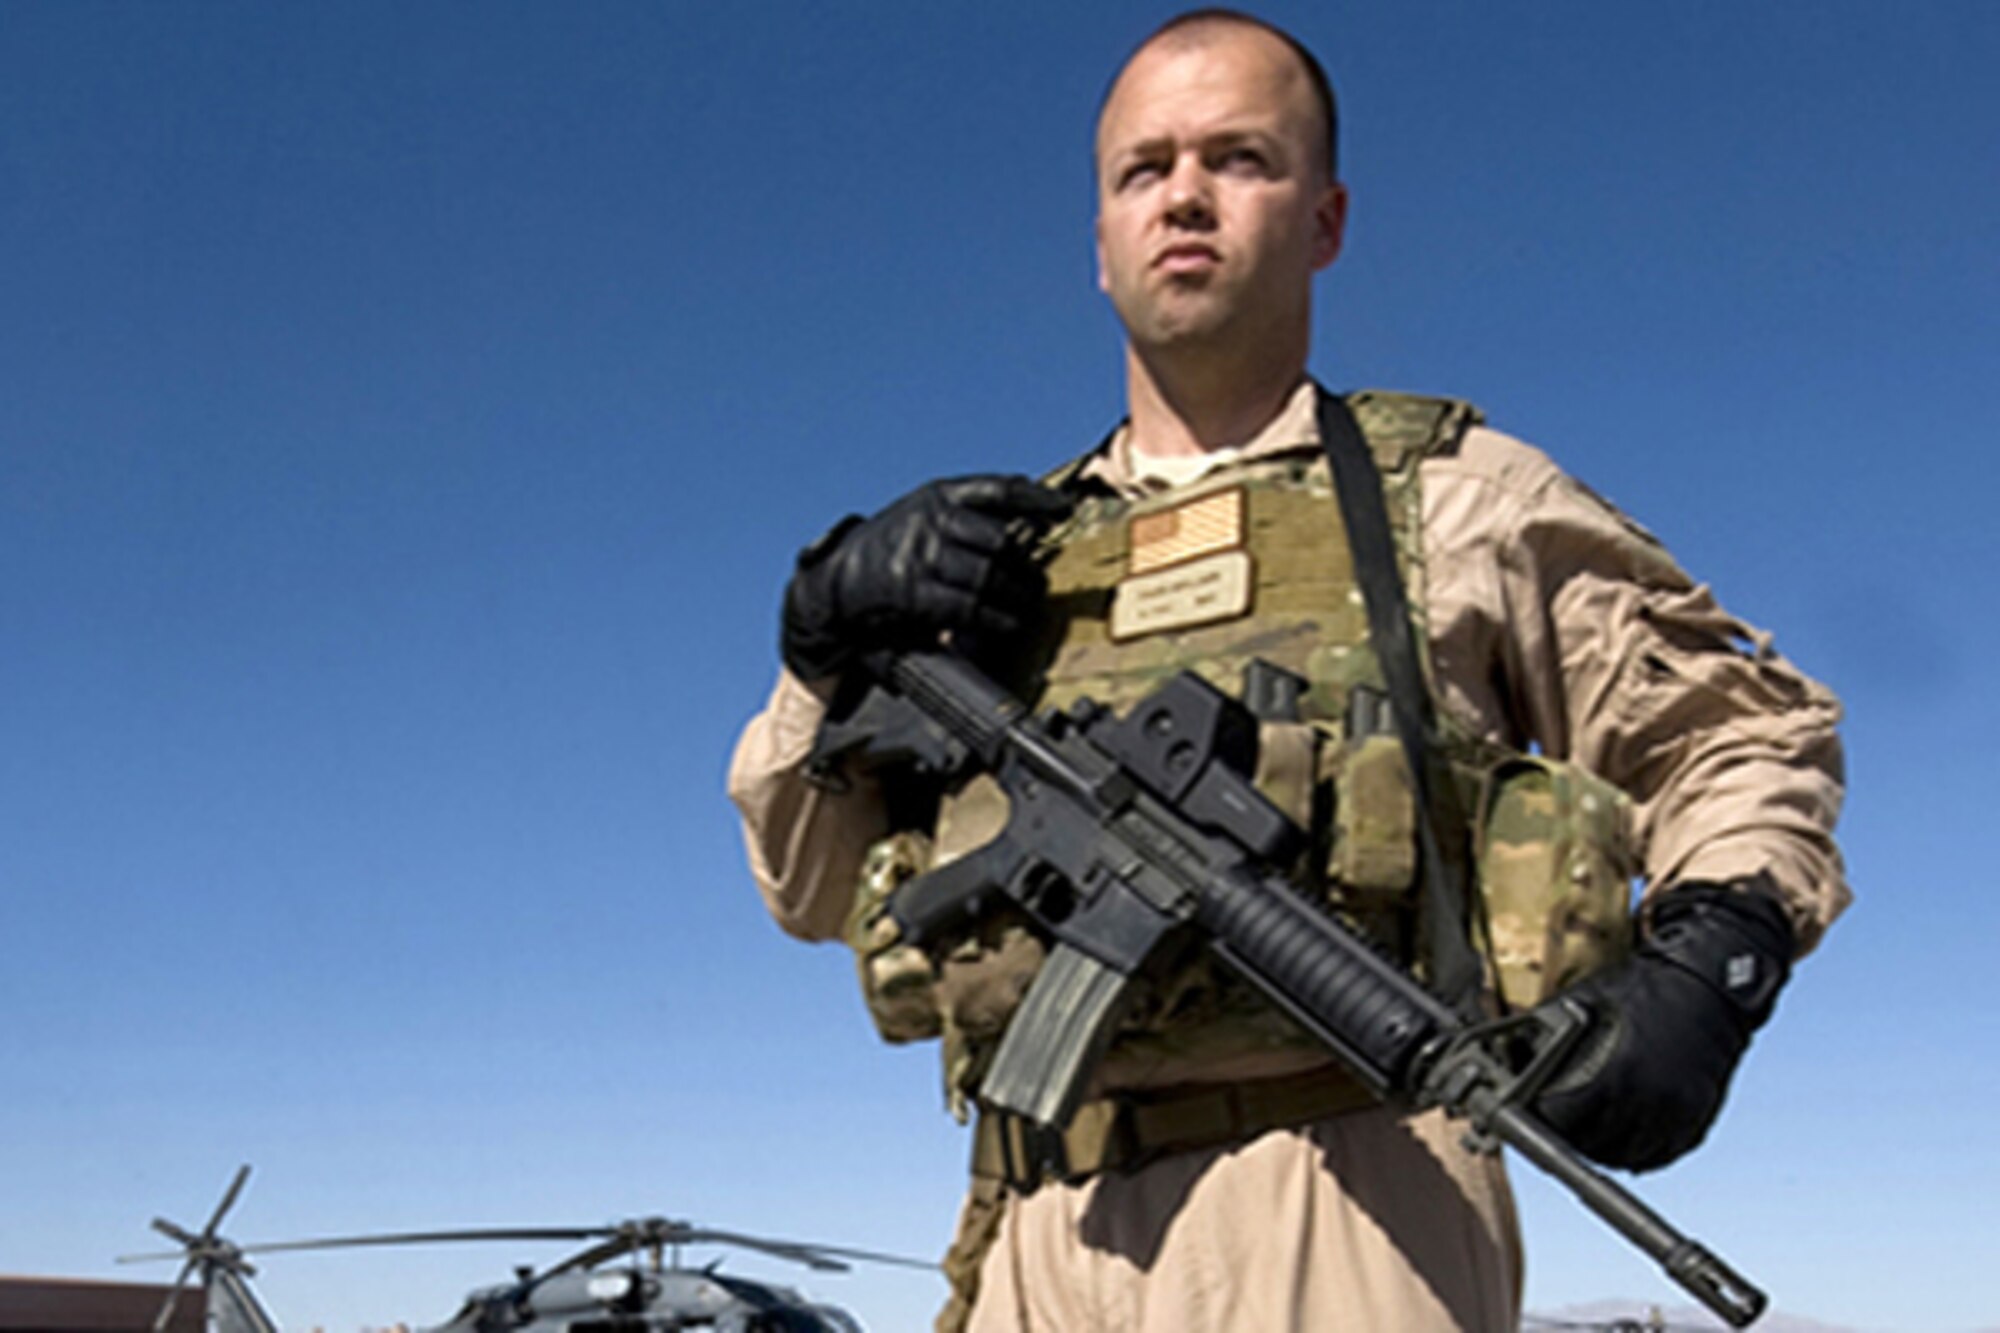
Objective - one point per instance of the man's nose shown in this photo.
(1190, 195)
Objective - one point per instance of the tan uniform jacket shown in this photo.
(1554, 620)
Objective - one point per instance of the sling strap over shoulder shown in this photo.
(1392, 633)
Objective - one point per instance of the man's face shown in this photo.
(1213, 209)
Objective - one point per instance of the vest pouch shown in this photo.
(1373, 860)
(1288, 768)
(981, 982)
(898, 983)
(1555, 870)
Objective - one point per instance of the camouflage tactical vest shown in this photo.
(1253, 562)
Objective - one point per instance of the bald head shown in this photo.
(1201, 27)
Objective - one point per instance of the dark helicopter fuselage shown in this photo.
(629, 1300)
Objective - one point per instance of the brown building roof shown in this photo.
(63, 1305)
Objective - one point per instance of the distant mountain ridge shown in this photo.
(1680, 1317)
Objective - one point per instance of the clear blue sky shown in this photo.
(407, 416)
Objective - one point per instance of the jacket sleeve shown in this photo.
(805, 843)
(1559, 621)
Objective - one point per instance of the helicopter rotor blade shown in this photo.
(179, 1235)
(228, 1200)
(611, 1242)
(157, 1256)
(428, 1238)
(796, 1252)
(875, 1257)
(602, 1252)
(657, 1232)
(648, 1233)
(825, 1258)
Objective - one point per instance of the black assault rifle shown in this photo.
(1127, 835)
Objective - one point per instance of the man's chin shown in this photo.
(1183, 330)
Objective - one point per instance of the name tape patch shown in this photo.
(1193, 592)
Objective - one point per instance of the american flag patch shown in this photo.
(1197, 528)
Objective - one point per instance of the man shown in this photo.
(1246, 1186)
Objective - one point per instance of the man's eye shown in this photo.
(1138, 173)
(1242, 159)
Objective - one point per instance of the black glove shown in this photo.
(1669, 1025)
(944, 558)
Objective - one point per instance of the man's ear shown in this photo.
(1329, 225)
(1097, 241)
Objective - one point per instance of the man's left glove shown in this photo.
(1669, 1025)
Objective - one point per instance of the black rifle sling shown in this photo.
(1392, 633)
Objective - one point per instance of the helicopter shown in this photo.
(576, 1295)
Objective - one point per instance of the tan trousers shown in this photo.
(1368, 1222)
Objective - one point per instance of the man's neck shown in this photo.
(1199, 407)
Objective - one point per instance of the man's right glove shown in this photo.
(1669, 1025)
(946, 558)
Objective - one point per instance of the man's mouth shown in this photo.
(1191, 257)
